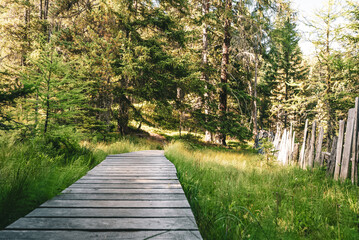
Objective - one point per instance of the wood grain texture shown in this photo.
(183, 223)
(338, 159)
(120, 196)
(117, 204)
(127, 196)
(344, 169)
(86, 235)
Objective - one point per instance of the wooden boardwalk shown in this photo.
(128, 196)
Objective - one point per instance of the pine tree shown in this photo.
(285, 68)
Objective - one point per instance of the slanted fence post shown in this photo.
(312, 145)
(302, 151)
(332, 158)
(344, 168)
(338, 159)
(354, 175)
(318, 158)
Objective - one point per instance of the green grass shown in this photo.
(35, 170)
(240, 196)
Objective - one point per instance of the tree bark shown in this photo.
(224, 71)
(328, 86)
(254, 113)
(205, 8)
(122, 117)
(47, 118)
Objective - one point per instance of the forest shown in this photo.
(80, 79)
(225, 69)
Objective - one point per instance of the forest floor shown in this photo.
(234, 193)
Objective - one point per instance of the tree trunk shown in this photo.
(122, 117)
(205, 8)
(48, 99)
(254, 113)
(328, 88)
(224, 74)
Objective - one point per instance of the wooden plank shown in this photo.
(332, 158)
(149, 177)
(129, 172)
(123, 186)
(114, 196)
(184, 223)
(344, 169)
(86, 235)
(132, 175)
(302, 151)
(318, 159)
(111, 212)
(338, 159)
(355, 148)
(134, 166)
(306, 153)
(116, 204)
(312, 146)
(122, 191)
(142, 181)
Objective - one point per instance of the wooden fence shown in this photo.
(341, 160)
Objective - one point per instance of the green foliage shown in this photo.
(235, 195)
(284, 69)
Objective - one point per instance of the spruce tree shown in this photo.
(285, 68)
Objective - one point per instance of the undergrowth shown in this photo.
(242, 196)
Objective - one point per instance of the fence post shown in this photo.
(338, 159)
(318, 159)
(344, 169)
(332, 158)
(302, 151)
(312, 144)
(282, 148)
(354, 175)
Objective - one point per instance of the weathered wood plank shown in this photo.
(355, 148)
(120, 196)
(111, 212)
(332, 158)
(121, 177)
(142, 181)
(85, 235)
(125, 185)
(312, 146)
(129, 172)
(122, 191)
(184, 223)
(116, 204)
(132, 175)
(318, 159)
(338, 159)
(302, 151)
(344, 169)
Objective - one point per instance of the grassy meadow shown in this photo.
(36, 169)
(239, 195)
(234, 193)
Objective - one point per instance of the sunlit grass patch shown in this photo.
(236, 195)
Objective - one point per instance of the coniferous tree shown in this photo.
(285, 68)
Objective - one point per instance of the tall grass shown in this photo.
(35, 170)
(240, 196)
